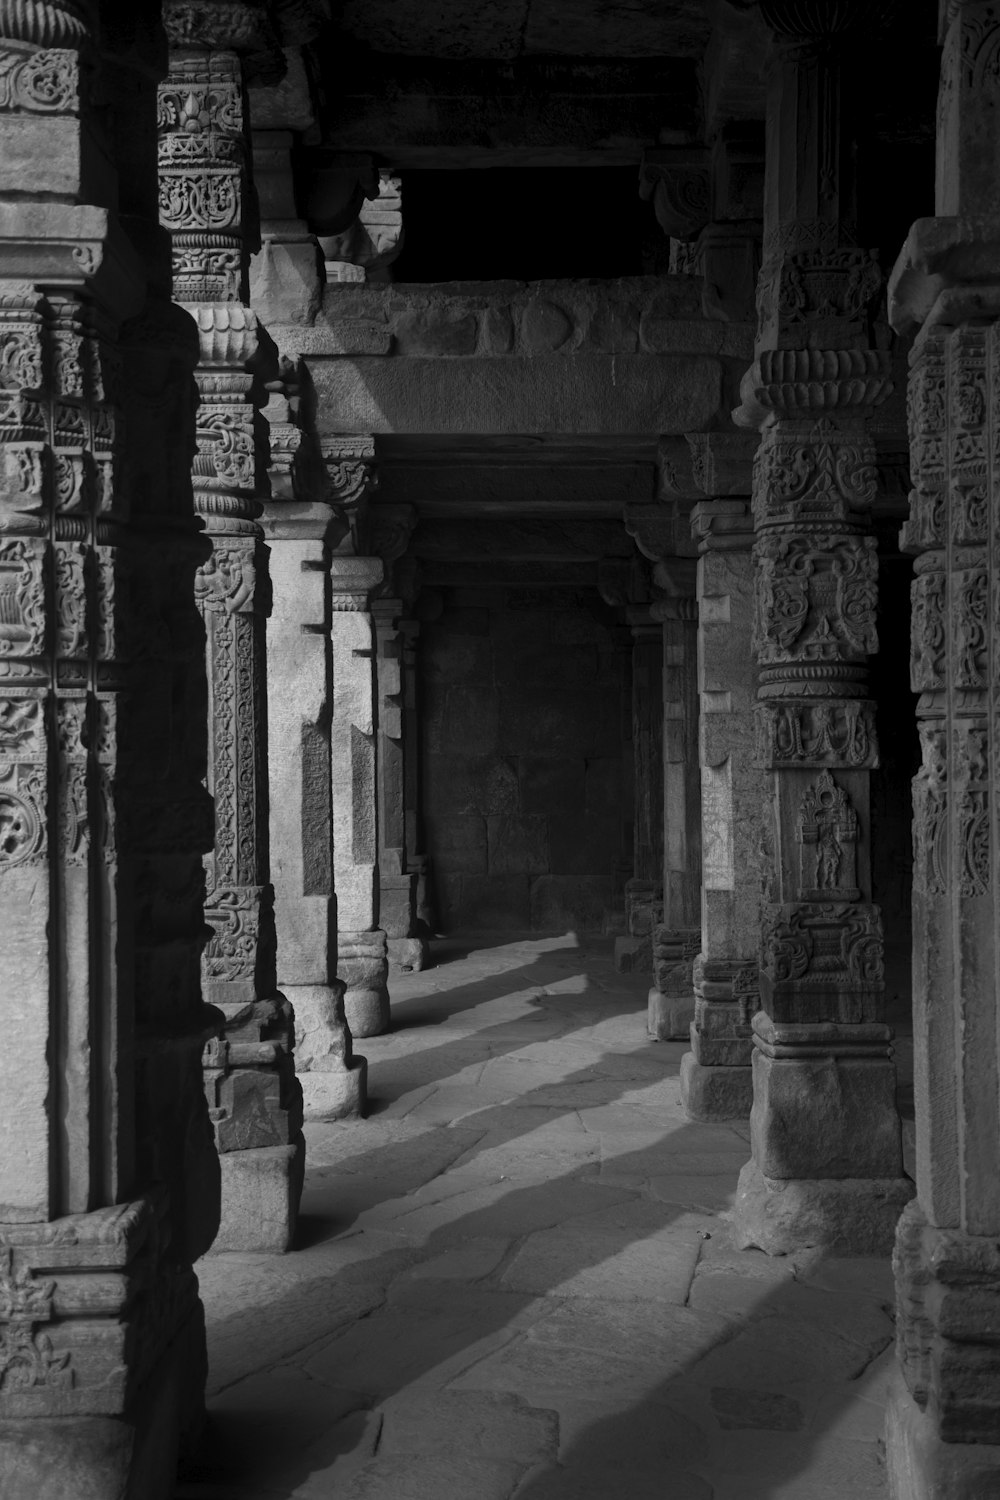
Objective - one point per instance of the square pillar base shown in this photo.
(847, 1216)
(922, 1467)
(714, 1093)
(408, 955)
(634, 955)
(261, 1189)
(339, 1093)
(130, 1457)
(669, 1017)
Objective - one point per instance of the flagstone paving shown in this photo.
(515, 1279)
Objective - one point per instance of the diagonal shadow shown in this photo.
(328, 1349)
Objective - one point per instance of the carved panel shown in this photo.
(817, 734)
(816, 597)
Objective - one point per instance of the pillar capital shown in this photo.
(354, 579)
(244, 27)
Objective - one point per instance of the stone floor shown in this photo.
(515, 1279)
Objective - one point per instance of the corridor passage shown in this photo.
(515, 1278)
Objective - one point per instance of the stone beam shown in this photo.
(531, 539)
(421, 112)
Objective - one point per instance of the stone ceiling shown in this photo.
(504, 30)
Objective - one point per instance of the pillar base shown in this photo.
(409, 954)
(129, 1457)
(261, 1189)
(922, 1467)
(367, 1011)
(712, 1093)
(848, 1216)
(669, 1017)
(340, 1093)
(364, 968)
(633, 955)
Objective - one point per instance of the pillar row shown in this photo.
(249, 1075)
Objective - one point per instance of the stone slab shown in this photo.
(590, 393)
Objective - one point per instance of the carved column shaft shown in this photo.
(644, 890)
(300, 528)
(943, 1435)
(715, 1074)
(108, 1180)
(677, 940)
(250, 1076)
(827, 1163)
(354, 578)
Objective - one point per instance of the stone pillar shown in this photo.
(301, 530)
(250, 1075)
(397, 877)
(354, 578)
(943, 1439)
(644, 892)
(715, 1075)
(825, 1135)
(677, 941)
(390, 528)
(109, 1184)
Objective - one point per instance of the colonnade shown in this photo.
(196, 590)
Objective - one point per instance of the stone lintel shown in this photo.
(590, 393)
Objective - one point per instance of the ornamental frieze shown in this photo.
(816, 734)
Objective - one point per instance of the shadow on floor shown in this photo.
(693, 1357)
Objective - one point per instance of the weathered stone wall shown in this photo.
(526, 761)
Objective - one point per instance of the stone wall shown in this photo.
(526, 760)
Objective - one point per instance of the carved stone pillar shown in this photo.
(827, 1162)
(663, 537)
(362, 962)
(677, 941)
(715, 1075)
(644, 892)
(943, 1438)
(109, 1184)
(390, 528)
(301, 529)
(250, 1076)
